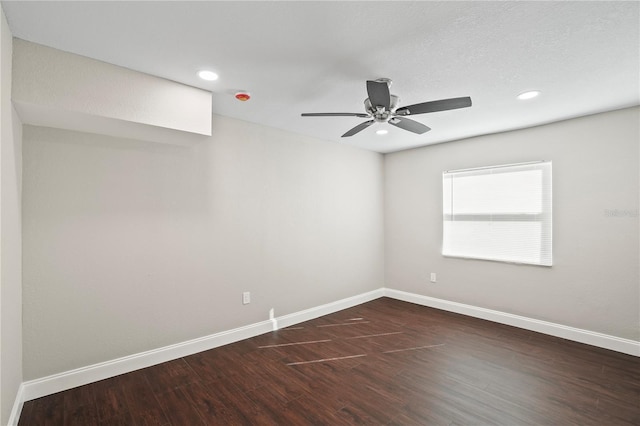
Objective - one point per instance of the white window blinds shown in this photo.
(499, 213)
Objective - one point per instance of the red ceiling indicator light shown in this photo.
(243, 96)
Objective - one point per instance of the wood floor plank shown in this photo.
(48, 410)
(179, 409)
(78, 397)
(123, 419)
(354, 414)
(213, 408)
(305, 410)
(154, 417)
(82, 415)
(27, 413)
(141, 399)
(170, 375)
(110, 402)
(238, 406)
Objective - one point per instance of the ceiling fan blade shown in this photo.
(379, 94)
(358, 128)
(335, 114)
(410, 125)
(435, 106)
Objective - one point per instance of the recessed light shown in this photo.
(207, 75)
(528, 95)
(382, 132)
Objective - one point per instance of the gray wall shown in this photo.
(594, 282)
(131, 246)
(10, 249)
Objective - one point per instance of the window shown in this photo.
(498, 213)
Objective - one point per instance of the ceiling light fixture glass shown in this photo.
(382, 132)
(207, 75)
(528, 95)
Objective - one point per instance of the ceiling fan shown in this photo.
(382, 107)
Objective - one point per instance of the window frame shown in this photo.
(544, 216)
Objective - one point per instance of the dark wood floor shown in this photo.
(383, 362)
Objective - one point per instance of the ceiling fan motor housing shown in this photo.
(379, 114)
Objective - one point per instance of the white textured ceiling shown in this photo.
(296, 57)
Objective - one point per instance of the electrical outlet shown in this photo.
(246, 298)
(433, 277)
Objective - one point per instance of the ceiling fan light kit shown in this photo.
(382, 107)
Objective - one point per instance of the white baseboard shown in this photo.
(33, 389)
(606, 341)
(329, 308)
(14, 417)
